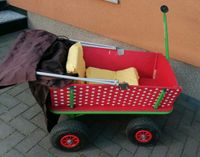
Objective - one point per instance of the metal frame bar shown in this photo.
(120, 51)
(102, 81)
(91, 44)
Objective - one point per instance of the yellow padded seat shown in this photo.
(75, 61)
(129, 75)
(100, 73)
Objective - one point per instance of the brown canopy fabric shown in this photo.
(21, 63)
(36, 50)
(53, 61)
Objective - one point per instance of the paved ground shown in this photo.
(23, 133)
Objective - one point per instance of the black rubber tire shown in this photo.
(69, 127)
(142, 123)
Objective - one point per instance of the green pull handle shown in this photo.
(164, 10)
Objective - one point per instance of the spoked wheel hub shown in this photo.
(70, 141)
(143, 131)
(143, 136)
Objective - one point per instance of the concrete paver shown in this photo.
(5, 130)
(14, 153)
(30, 141)
(39, 152)
(14, 112)
(124, 153)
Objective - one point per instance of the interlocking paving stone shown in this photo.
(18, 89)
(178, 107)
(142, 152)
(5, 89)
(186, 104)
(96, 130)
(197, 115)
(59, 153)
(92, 151)
(45, 142)
(187, 117)
(8, 100)
(107, 146)
(178, 135)
(3, 109)
(190, 148)
(32, 112)
(39, 121)
(123, 141)
(30, 141)
(165, 138)
(160, 120)
(124, 153)
(194, 102)
(15, 111)
(26, 98)
(5, 130)
(111, 130)
(159, 151)
(9, 142)
(188, 130)
(14, 153)
(196, 125)
(174, 120)
(23, 125)
(38, 151)
(175, 149)
(198, 152)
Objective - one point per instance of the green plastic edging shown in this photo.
(108, 112)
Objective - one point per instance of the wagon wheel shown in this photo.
(70, 135)
(142, 131)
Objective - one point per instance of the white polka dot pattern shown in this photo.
(105, 95)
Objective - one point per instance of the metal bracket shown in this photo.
(123, 86)
(120, 51)
(160, 98)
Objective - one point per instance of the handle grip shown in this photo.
(164, 8)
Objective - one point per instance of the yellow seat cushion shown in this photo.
(99, 73)
(75, 61)
(129, 75)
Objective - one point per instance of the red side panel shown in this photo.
(112, 98)
(155, 75)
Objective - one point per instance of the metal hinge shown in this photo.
(120, 51)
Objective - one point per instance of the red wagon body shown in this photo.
(156, 94)
(155, 74)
